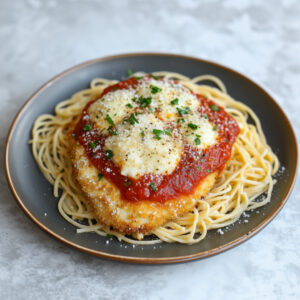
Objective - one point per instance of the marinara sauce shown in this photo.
(194, 166)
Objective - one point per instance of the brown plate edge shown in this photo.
(142, 260)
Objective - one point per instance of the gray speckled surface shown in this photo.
(39, 39)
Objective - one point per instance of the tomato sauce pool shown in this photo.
(193, 167)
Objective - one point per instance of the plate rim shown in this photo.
(146, 260)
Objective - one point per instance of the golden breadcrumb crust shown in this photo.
(124, 216)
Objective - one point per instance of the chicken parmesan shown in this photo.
(147, 149)
(157, 157)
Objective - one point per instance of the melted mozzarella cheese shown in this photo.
(204, 132)
(161, 101)
(138, 151)
(114, 105)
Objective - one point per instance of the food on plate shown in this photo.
(156, 157)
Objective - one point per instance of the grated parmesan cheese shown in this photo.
(138, 154)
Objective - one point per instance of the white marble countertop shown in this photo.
(42, 38)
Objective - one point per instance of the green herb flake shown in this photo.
(198, 169)
(192, 126)
(129, 105)
(205, 117)
(207, 170)
(181, 120)
(168, 132)
(108, 154)
(174, 102)
(138, 77)
(183, 111)
(157, 133)
(129, 72)
(197, 141)
(153, 187)
(112, 130)
(115, 88)
(87, 127)
(215, 128)
(109, 235)
(100, 176)
(153, 76)
(214, 108)
(132, 119)
(144, 102)
(109, 120)
(142, 133)
(62, 170)
(127, 183)
(134, 99)
(92, 144)
(155, 89)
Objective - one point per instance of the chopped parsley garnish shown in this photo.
(115, 88)
(198, 169)
(100, 176)
(192, 126)
(129, 72)
(138, 77)
(108, 154)
(134, 99)
(155, 89)
(181, 120)
(132, 119)
(150, 109)
(207, 170)
(202, 161)
(214, 108)
(153, 187)
(142, 133)
(215, 128)
(109, 120)
(127, 183)
(129, 105)
(112, 130)
(153, 76)
(87, 127)
(183, 111)
(109, 235)
(205, 116)
(92, 144)
(168, 132)
(157, 133)
(197, 141)
(174, 102)
(144, 102)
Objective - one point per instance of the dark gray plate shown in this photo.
(34, 194)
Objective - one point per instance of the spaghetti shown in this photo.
(247, 176)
